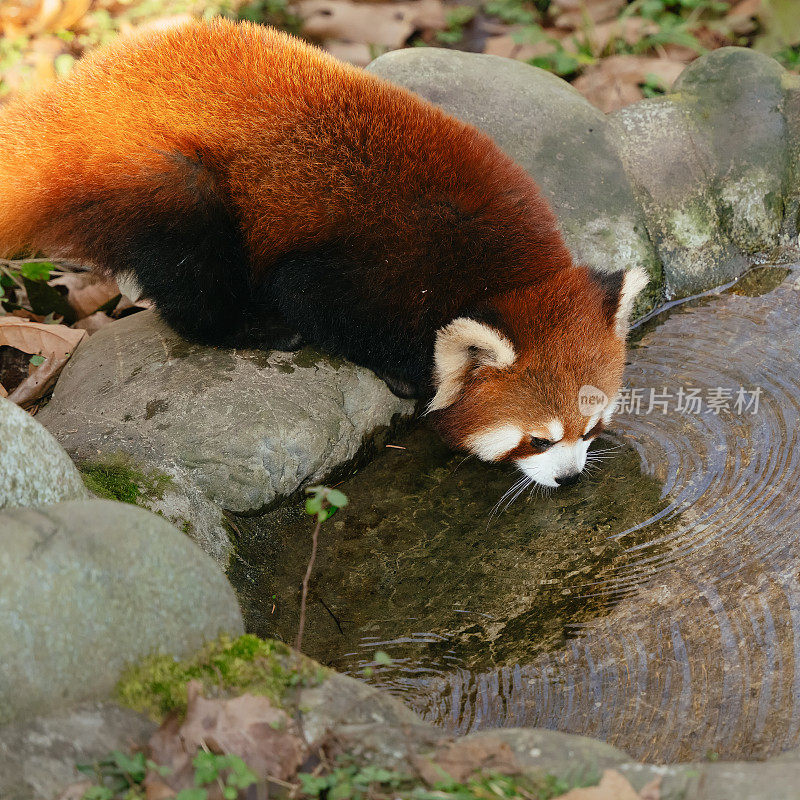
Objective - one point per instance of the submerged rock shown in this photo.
(545, 125)
(212, 429)
(34, 469)
(86, 587)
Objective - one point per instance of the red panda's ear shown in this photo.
(632, 284)
(620, 290)
(460, 346)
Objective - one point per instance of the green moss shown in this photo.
(693, 225)
(225, 667)
(309, 357)
(115, 478)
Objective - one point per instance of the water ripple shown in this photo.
(702, 650)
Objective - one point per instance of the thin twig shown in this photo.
(315, 539)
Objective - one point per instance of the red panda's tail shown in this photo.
(125, 199)
(26, 196)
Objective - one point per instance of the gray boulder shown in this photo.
(34, 469)
(712, 163)
(693, 186)
(38, 756)
(88, 587)
(212, 429)
(550, 129)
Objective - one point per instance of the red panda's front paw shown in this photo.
(402, 388)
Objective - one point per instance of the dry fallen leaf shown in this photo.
(37, 66)
(158, 790)
(613, 786)
(506, 46)
(615, 82)
(93, 322)
(3, 392)
(356, 53)
(652, 790)
(577, 15)
(16, 17)
(249, 726)
(55, 342)
(388, 24)
(55, 15)
(86, 291)
(629, 30)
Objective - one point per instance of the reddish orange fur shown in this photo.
(234, 92)
(544, 382)
(308, 151)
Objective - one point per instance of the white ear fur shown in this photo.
(452, 357)
(634, 281)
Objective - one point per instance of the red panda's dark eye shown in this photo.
(541, 445)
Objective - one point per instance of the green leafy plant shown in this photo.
(653, 86)
(512, 12)
(675, 20)
(789, 57)
(117, 775)
(352, 782)
(23, 285)
(121, 777)
(229, 772)
(322, 503)
(270, 12)
(457, 17)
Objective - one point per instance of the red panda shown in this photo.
(263, 194)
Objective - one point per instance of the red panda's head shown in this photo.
(532, 376)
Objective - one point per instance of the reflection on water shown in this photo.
(655, 605)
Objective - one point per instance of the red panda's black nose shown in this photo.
(568, 480)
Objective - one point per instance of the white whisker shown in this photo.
(513, 487)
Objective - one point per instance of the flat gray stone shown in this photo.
(38, 756)
(218, 429)
(545, 125)
(342, 700)
(89, 587)
(34, 469)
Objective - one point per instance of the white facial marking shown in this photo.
(556, 430)
(492, 443)
(560, 461)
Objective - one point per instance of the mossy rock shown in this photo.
(225, 668)
(117, 478)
